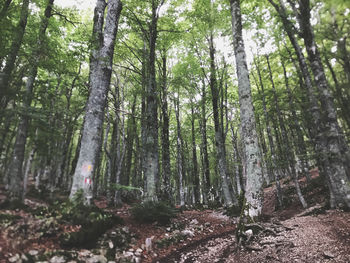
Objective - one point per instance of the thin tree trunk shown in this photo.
(274, 166)
(179, 159)
(166, 167)
(206, 170)
(299, 143)
(252, 161)
(219, 140)
(151, 157)
(5, 92)
(287, 151)
(100, 75)
(195, 176)
(15, 168)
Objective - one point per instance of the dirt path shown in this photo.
(303, 238)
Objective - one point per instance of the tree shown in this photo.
(103, 40)
(252, 161)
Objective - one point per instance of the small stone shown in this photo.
(97, 259)
(328, 255)
(249, 232)
(206, 224)
(57, 259)
(24, 258)
(131, 250)
(139, 250)
(15, 258)
(187, 233)
(148, 243)
(194, 222)
(137, 259)
(126, 229)
(110, 244)
(128, 255)
(33, 252)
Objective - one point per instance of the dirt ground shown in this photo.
(289, 235)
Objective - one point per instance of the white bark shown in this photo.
(252, 162)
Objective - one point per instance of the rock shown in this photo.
(138, 252)
(33, 252)
(194, 222)
(137, 259)
(168, 229)
(57, 259)
(187, 233)
(126, 229)
(148, 243)
(97, 259)
(110, 244)
(128, 255)
(328, 255)
(15, 258)
(249, 232)
(24, 258)
(207, 224)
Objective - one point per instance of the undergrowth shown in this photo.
(150, 212)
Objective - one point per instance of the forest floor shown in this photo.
(207, 235)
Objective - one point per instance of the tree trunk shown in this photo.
(252, 161)
(219, 136)
(179, 159)
(286, 147)
(275, 169)
(299, 143)
(335, 152)
(13, 52)
(195, 176)
(15, 168)
(150, 148)
(100, 75)
(204, 146)
(166, 167)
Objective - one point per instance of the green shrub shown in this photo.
(7, 218)
(150, 212)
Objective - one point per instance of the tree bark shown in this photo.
(219, 136)
(100, 76)
(195, 174)
(5, 92)
(335, 151)
(166, 167)
(150, 148)
(15, 168)
(286, 148)
(252, 160)
(275, 169)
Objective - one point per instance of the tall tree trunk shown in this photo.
(204, 145)
(15, 168)
(252, 165)
(150, 148)
(5, 92)
(195, 175)
(179, 159)
(219, 140)
(274, 167)
(166, 168)
(100, 76)
(335, 151)
(286, 147)
(299, 142)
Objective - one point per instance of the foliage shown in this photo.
(150, 212)
(8, 218)
(91, 221)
